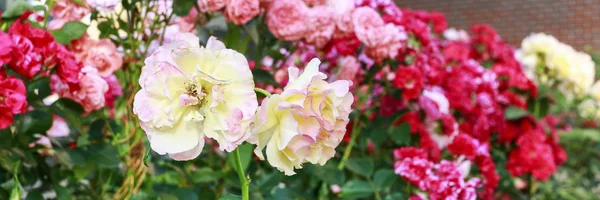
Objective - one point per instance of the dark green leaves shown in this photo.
(400, 134)
(384, 178)
(104, 155)
(230, 197)
(362, 166)
(70, 31)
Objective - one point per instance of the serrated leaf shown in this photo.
(384, 178)
(362, 166)
(401, 134)
(513, 112)
(356, 189)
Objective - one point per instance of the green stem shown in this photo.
(244, 183)
(531, 186)
(536, 108)
(348, 149)
(263, 92)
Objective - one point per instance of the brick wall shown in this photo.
(575, 22)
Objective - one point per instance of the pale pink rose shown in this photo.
(103, 5)
(383, 42)
(102, 55)
(317, 2)
(287, 19)
(59, 127)
(343, 16)
(321, 24)
(241, 11)
(91, 92)
(80, 45)
(364, 21)
(211, 5)
(305, 123)
(189, 92)
(68, 10)
(350, 68)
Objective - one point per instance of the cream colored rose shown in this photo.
(305, 123)
(191, 92)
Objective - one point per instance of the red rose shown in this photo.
(25, 61)
(410, 80)
(13, 99)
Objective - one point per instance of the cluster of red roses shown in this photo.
(30, 52)
(447, 83)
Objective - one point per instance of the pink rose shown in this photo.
(102, 55)
(365, 20)
(321, 24)
(241, 11)
(90, 93)
(211, 5)
(385, 42)
(286, 19)
(59, 127)
(343, 16)
(69, 10)
(350, 68)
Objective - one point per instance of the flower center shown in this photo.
(192, 94)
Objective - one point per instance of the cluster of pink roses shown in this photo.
(98, 86)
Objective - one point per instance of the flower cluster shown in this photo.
(444, 180)
(555, 64)
(31, 53)
(100, 58)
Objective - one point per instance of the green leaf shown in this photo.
(362, 166)
(252, 30)
(147, 156)
(230, 197)
(70, 31)
(80, 2)
(16, 192)
(34, 195)
(384, 178)
(245, 156)
(37, 121)
(16, 9)
(266, 182)
(356, 189)
(182, 7)
(71, 158)
(400, 134)
(234, 39)
(513, 112)
(104, 155)
(328, 173)
(581, 134)
(62, 193)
